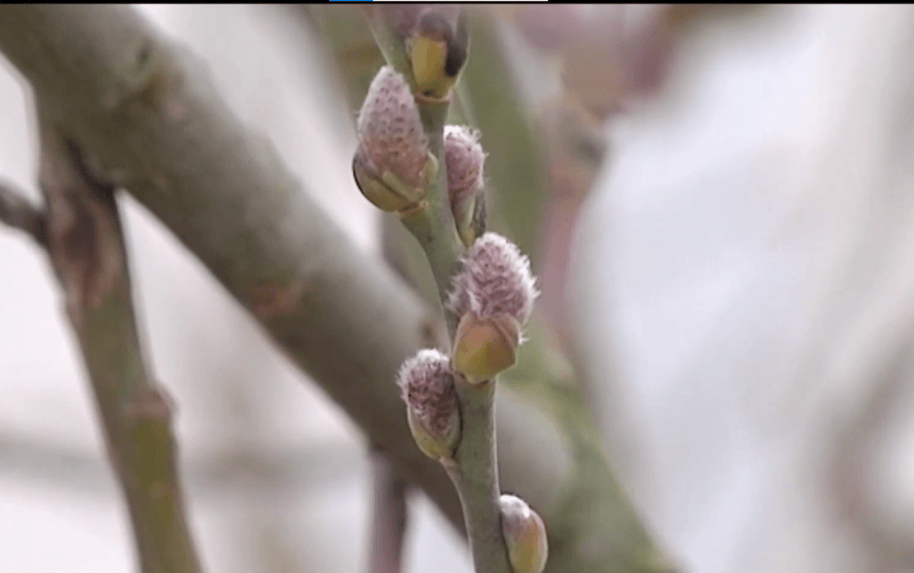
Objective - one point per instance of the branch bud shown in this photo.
(427, 385)
(392, 164)
(525, 535)
(437, 52)
(485, 347)
(465, 160)
(493, 296)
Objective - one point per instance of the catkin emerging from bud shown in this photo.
(493, 295)
(427, 385)
(525, 535)
(495, 280)
(464, 158)
(392, 164)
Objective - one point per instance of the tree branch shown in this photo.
(19, 213)
(148, 112)
(86, 247)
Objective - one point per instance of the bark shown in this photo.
(84, 239)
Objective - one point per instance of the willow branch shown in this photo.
(147, 113)
(474, 468)
(86, 247)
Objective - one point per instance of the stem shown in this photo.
(86, 246)
(474, 469)
(474, 472)
(433, 223)
(391, 44)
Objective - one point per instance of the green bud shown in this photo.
(387, 191)
(485, 347)
(434, 445)
(437, 52)
(525, 535)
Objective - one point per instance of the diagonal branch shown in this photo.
(86, 246)
(147, 111)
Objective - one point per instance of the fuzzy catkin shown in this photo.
(427, 386)
(465, 159)
(495, 279)
(391, 137)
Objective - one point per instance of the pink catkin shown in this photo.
(464, 158)
(391, 137)
(427, 386)
(495, 279)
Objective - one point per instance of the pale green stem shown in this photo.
(474, 469)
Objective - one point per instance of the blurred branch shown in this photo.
(857, 439)
(87, 251)
(147, 114)
(147, 111)
(19, 213)
(274, 472)
(388, 525)
(515, 172)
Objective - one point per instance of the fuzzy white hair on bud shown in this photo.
(465, 159)
(427, 386)
(495, 279)
(525, 535)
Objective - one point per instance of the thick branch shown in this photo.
(86, 247)
(147, 111)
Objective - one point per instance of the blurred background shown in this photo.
(725, 243)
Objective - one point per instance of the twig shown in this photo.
(388, 525)
(86, 247)
(19, 213)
